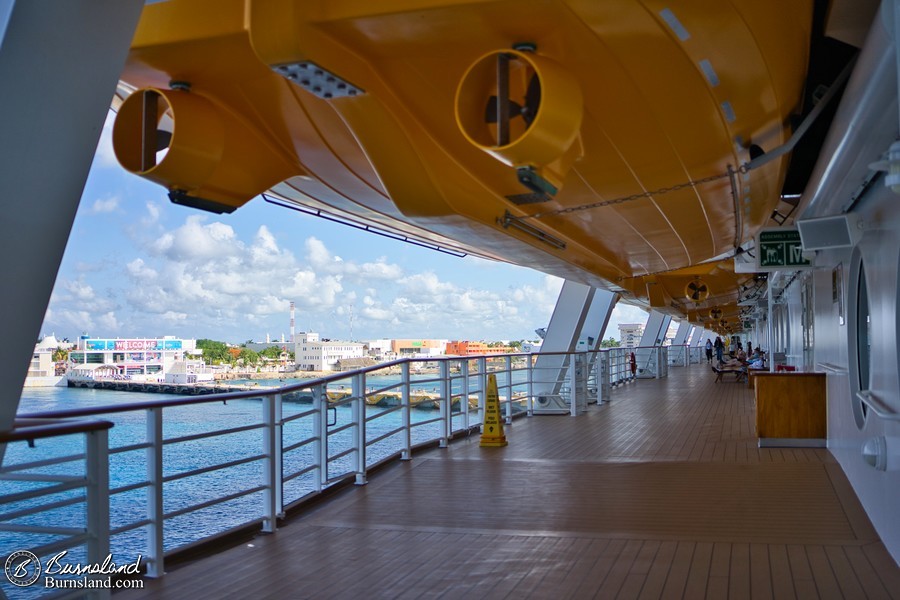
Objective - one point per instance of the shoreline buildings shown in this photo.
(132, 357)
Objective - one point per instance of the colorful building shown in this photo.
(133, 357)
(404, 348)
(467, 348)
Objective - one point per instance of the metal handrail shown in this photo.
(328, 453)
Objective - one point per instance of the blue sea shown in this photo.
(130, 467)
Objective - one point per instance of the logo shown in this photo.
(23, 568)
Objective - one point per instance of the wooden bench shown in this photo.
(739, 374)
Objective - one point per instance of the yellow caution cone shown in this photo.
(492, 428)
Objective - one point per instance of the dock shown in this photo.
(420, 400)
(153, 387)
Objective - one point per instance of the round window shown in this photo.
(860, 335)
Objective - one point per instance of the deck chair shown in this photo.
(739, 374)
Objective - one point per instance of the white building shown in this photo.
(42, 364)
(531, 346)
(189, 371)
(630, 334)
(381, 349)
(313, 354)
(137, 358)
(43, 370)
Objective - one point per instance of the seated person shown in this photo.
(732, 364)
(756, 362)
(741, 355)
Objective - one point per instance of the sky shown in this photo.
(138, 266)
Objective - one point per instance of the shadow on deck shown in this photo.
(661, 493)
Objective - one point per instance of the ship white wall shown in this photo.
(865, 126)
(879, 251)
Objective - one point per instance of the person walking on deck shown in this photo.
(720, 348)
(709, 349)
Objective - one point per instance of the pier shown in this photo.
(420, 400)
(153, 387)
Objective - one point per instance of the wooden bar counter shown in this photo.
(790, 409)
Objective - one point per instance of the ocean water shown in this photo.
(129, 467)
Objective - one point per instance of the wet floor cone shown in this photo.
(492, 428)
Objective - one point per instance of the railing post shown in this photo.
(509, 388)
(586, 376)
(482, 385)
(529, 373)
(358, 407)
(320, 432)
(155, 511)
(405, 412)
(573, 381)
(97, 471)
(464, 392)
(272, 463)
(659, 358)
(446, 405)
(603, 378)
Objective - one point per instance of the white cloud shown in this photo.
(203, 279)
(109, 323)
(138, 270)
(81, 291)
(153, 214)
(105, 205)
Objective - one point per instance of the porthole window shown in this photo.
(863, 331)
(860, 335)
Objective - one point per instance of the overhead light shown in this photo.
(509, 220)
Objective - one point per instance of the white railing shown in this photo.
(50, 485)
(263, 451)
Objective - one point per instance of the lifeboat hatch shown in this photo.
(525, 110)
(696, 291)
(204, 155)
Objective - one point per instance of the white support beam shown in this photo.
(681, 335)
(60, 61)
(581, 313)
(597, 318)
(678, 352)
(565, 326)
(654, 332)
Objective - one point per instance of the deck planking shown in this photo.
(660, 493)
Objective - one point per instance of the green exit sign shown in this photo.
(780, 249)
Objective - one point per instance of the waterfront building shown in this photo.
(43, 370)
(467, 348)
(531, 346)
(380, 349)
(42, 364)
(189, 371)
(314, 354)
(408, 348)
(630, 334)
(137, 358)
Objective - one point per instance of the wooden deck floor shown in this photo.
(661, 493)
